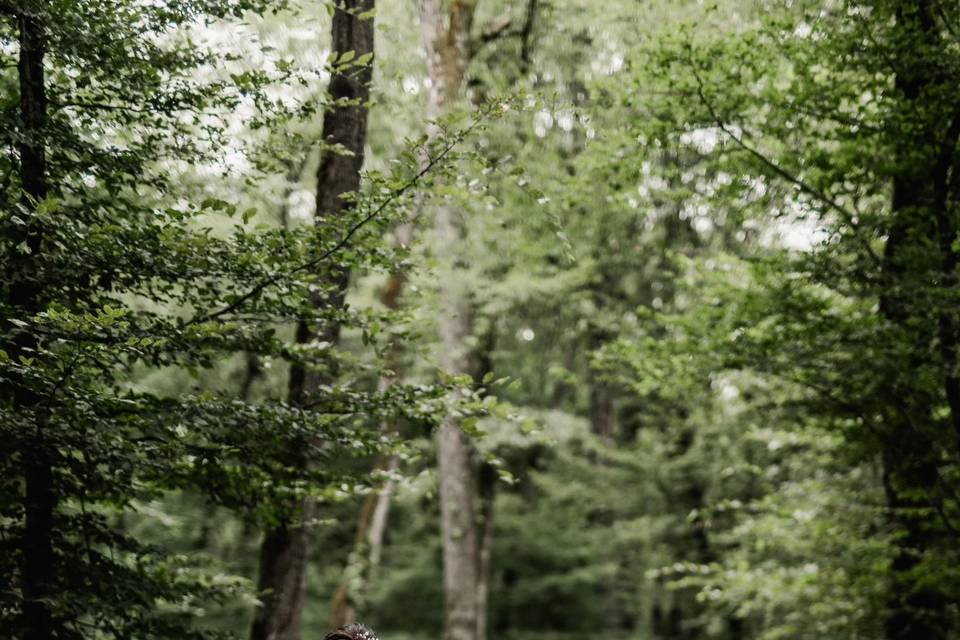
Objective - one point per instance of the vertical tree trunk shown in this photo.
(381, 512)
(447, 43)
(601, 407)
(284, 554)
(526, 35)
(367, 548)
(252, 371)
(38, 563)
(488, 495)
(372, 522)
(917, 608)
(604, 291)
(285, 550)
(459, 531)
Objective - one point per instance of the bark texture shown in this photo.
(285, 550)
(446, 36)
(38, 564)
(921, 216)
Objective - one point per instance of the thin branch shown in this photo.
(810, 190)
(946, 22)
(496, 29)
(396, 193)
(100, 106)
(67, 372)
(890, 62)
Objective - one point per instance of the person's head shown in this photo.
(351, 632)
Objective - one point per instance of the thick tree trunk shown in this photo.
(38, 561)
(455, 452)
(918, 609)
(909, 445)
(285, 550)
(284, 554)
(460, 562)
(447, 41)
(39, 571)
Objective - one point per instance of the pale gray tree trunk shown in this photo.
(367, 547)
(446, 37)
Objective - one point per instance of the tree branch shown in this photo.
(394, 195)
(526, 33)
(804, 187)
(100, 106)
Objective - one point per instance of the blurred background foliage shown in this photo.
(683, 349)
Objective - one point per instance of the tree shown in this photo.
(113, 267)
(867, 157)
(447, 41)
(285, 549)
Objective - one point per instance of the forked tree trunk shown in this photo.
(285, 550)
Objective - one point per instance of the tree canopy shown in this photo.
(474, 318)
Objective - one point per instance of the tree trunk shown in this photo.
(526, 35)
(460, 562)
(372, 522)
(367, 549)
(601, 407)
(381, 512)
(252, 371)
(37, 561)
(488, 495)
(917, 609)
(447, 43)
(284, 554)
(285, 550)
(605, 294)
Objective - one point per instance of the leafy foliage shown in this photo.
(120, 269)
(712, 255)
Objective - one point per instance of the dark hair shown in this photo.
(351, 632)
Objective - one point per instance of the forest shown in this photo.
(480, 319)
